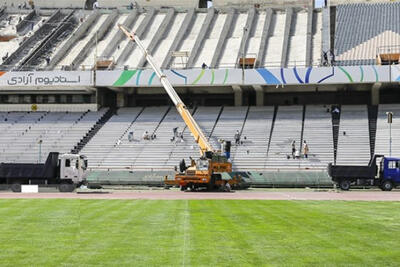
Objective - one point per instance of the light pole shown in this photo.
(389, 120)
(40, 150)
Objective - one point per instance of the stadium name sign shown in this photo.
(46, 78)
(203, 77)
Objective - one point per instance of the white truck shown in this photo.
(66, 172)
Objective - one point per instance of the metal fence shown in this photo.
(267, 179)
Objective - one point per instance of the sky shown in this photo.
(319, 3)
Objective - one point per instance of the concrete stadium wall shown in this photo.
(263, 3)
(343, 2)
(155, 3)
(59, 3)
(48, 3)
(102, 3)
(49, 107)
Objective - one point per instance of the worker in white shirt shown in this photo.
(95, 5)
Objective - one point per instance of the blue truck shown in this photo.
(382, 172)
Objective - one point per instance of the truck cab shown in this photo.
(73, 168)
(390, 173)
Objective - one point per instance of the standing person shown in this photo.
(297, 154)
(293, 148)
(227, 186)
(237, 137)
(5, 57)
(305, 149)
(336, 110)
(325, 61)
(95, 5)
(175, 134)
(332, 57)
(146, 135)
(130, 136)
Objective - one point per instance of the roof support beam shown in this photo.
(309, 36)
(246, 34)
(179, 37)
(264, 38)
(158, 36)
(97, 36)
(139, 32)
(79, 33)
(38, 55)
(119, 35)
(286, 37)
(326, 30)
(200, 38)
(224, 34)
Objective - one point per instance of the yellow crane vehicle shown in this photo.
(205, 172)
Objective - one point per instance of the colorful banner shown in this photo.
(320, 75)
(221, 77)
(204, 77)
(190, 77)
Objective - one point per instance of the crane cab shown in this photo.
(202, 173)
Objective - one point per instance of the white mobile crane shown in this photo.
(206, 171)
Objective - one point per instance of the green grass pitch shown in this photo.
(198, 233)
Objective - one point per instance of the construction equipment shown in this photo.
(204, 172)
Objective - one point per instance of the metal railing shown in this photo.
(90, 67)
(388, 49)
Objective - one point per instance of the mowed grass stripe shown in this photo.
(305, 225)
(198, 233)
(375, 221)
(35, 228)
(133, 229)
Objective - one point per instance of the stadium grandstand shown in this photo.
(276, 71)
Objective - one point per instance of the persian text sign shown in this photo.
(46, 78)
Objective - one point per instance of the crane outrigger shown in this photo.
(206, 171)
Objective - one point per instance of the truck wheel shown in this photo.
(387, 186)
(16, 187)
(344, 185)
(65, 187)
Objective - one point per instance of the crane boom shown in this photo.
(194, 128)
